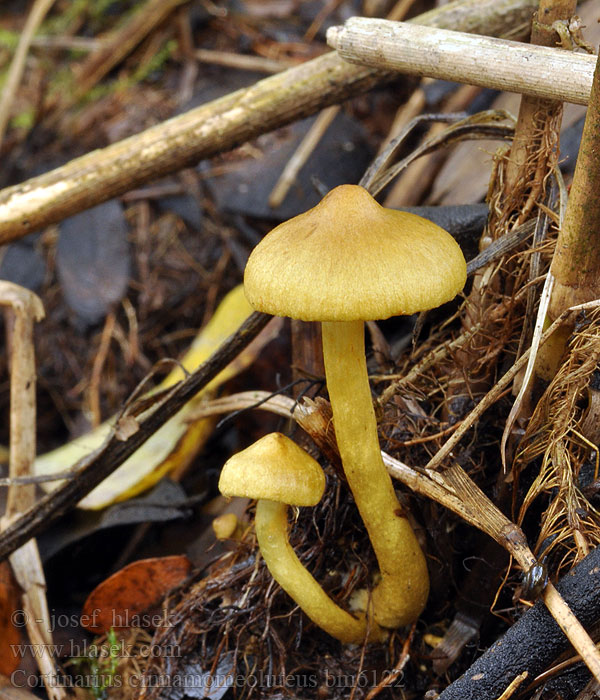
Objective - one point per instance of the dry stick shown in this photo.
(98, 465)
(24, 309)
(576, 261)
(301, 155)
(465, 58)
(483, 125)
(410, 187)
(93, 391)
(220, 126)
(320, 126)
(241, 61)
(15, 72)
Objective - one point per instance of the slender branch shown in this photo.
(15, 72)
(576, 261)
(465, 58)
(220, 125)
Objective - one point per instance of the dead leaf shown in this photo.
(177, 442)
(123, 598)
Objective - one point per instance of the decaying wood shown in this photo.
(533, 642)
(466, 58)
(221, 125)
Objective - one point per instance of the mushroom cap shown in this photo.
(351, 259)
(275, 468)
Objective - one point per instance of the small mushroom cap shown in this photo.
(275, 468)
(351, 259)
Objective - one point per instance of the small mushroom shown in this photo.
(346, 261)
(278, 473)
(227, 527)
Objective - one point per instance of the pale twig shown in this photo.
(241, 61)
(513, 686)
(219, 126)
(24, 308)
(465, 58)
(533, 348)
(15, 72)
(411, 185)
(301, 155)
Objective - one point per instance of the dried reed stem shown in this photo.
(465, 58)
(220, 125)
(576, 261)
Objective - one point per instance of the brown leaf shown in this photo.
(121, 599)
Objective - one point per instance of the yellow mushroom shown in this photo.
(346, 261)
(227, 527)
(278, 473)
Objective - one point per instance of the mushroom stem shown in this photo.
(400, 596)
(285, 567)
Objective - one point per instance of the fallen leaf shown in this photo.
(165, 502)
(122, 599)
(93, 260)
(179, 440)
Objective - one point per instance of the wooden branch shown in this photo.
(576, 261)
(220, 126)
(465, 58)
(23, 310)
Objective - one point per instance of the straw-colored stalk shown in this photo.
(576, 262)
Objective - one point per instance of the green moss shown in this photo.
(8, 39)
(100, 665)
(24, 120)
